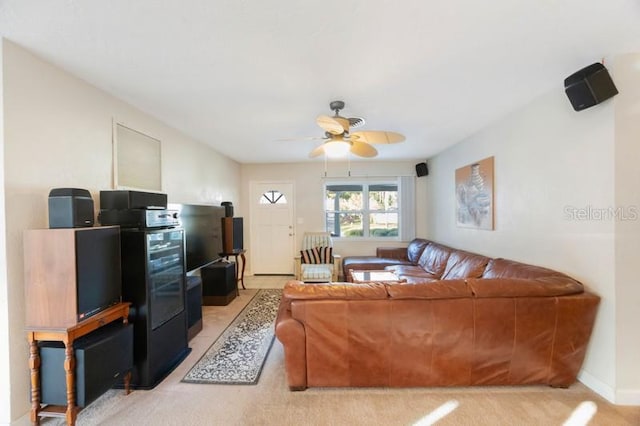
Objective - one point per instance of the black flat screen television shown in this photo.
(202, 233)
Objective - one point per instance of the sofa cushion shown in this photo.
(415, 249)
(412, 274)
(436, 289)
(316, 255)
(294, 290)
(505, 268)
(552, 285)
(418, 279)
(434, 258)
(326, 254)
(405, 269)
(399, 253)
(310, 256)
(462, 264)
(316, 272)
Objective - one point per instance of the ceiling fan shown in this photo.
(339, 140)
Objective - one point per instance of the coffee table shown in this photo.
(361, 277)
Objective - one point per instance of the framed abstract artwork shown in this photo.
(474, 195)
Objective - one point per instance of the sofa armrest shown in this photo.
(291, 334)
(392, 253)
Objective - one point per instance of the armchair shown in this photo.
(313, 266)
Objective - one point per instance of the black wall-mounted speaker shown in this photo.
(589, 86)
(422, 169)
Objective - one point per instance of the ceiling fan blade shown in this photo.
(377, 136)
(300, 139)
(330, 124)
(362, 149)
(317, 151)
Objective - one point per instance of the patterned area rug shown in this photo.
(237, 356)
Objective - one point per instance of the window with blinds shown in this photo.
(369, 210)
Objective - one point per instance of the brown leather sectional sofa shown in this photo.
(460, 319)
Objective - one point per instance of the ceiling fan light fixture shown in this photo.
(340, 141)
(337, 148)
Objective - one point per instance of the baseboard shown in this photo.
(598, 386)
(617, 397)
(22, 421)
(628, 397)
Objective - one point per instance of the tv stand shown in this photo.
(67, 335)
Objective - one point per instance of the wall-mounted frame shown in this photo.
(474, 195)
(137, 160)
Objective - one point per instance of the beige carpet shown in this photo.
(271, 403)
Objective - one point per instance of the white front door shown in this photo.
(272, 232)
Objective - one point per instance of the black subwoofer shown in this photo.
(103, 357)
(219, 285)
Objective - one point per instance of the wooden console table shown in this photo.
(67, 336)
(239, 272)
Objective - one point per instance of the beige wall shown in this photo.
(5, 387)
(627, 245)
(308, 179)
(549, 161)
(58, 132)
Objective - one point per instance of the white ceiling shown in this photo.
(241, 74)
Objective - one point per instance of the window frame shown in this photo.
(366, 211)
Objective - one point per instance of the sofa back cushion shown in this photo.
(447, 289)
(549, 286)
(462, 264)
(434, 258)
(295, 290)
(505, 268)
(415, 249)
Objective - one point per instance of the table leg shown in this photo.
(237, 272)
(34, 365)
(127, 383)
(244, 261)
(69, 368)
